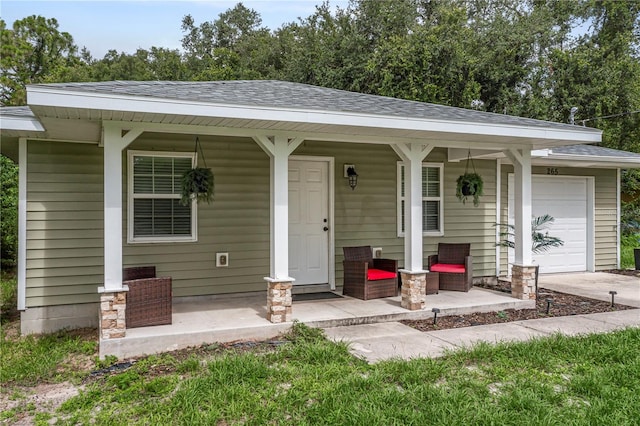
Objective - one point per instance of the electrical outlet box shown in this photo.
(377, 252)
(222, 260)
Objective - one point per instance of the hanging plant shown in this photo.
(469, 184)
(198, 182)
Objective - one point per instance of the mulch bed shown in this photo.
(562, 304)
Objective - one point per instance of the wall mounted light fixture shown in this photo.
(351, 174)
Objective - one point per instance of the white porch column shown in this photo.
(279, 148)
(279, 282)
(521, 159)
(113, 142)
(523, 272)
(412, 157)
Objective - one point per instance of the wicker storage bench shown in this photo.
(149, 299)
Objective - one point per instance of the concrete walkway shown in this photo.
(595, 285)
(375, 342)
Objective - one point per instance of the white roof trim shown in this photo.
(26, 124)
(97, 101)
(624, 162)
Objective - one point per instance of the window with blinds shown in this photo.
(155, 211)
(432, 208)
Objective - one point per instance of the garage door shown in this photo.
(564, 198)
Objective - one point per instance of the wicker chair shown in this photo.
(368, 278)
(455, 266)
(148, 298)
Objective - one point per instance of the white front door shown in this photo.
(309, 222)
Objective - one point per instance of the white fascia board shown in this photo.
(21, 124)
(589, 161)
(99, 101)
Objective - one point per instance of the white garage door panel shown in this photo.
(564, 198)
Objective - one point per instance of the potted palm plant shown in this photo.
(541, 241)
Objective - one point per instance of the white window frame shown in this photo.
(130, 197)
(440, 232)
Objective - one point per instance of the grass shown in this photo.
(8, 296)
(627, 244)
(51, 358)
(309, 380)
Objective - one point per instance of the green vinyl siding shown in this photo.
(606, 219)
(236, 222)
(465, 223)
(64, 223)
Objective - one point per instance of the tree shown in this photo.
(32, 50)
(230, 47)
(8, 212)
(430, 62)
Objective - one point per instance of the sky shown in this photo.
(129, 25)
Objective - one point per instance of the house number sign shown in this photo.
(552, 171)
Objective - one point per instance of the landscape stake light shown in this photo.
(548, 305)
(435, 315)
(613, 295)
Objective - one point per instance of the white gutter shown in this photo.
(594, 159)
(22, 224)
(44, 96)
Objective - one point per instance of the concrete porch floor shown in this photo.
(243, 317)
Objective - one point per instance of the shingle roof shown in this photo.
(19, 111)
(283, 94)
(593, 151)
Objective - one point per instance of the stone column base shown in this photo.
(112, 315)
(279, 301)
(414, 289)
(523, 282)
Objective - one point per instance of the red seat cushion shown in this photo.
(451, 268)
(379, 274)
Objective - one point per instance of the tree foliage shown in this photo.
(29, 52)
(8, 212)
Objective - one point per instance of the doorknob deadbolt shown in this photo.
(325, 229)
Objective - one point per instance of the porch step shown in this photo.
(423, 314)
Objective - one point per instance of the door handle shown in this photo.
(325, 229)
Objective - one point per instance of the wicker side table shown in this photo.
(433, 282)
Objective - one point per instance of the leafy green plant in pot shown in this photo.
(469, 185)
(541, 241)
(197, 184)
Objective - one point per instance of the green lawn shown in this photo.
(307, 380)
